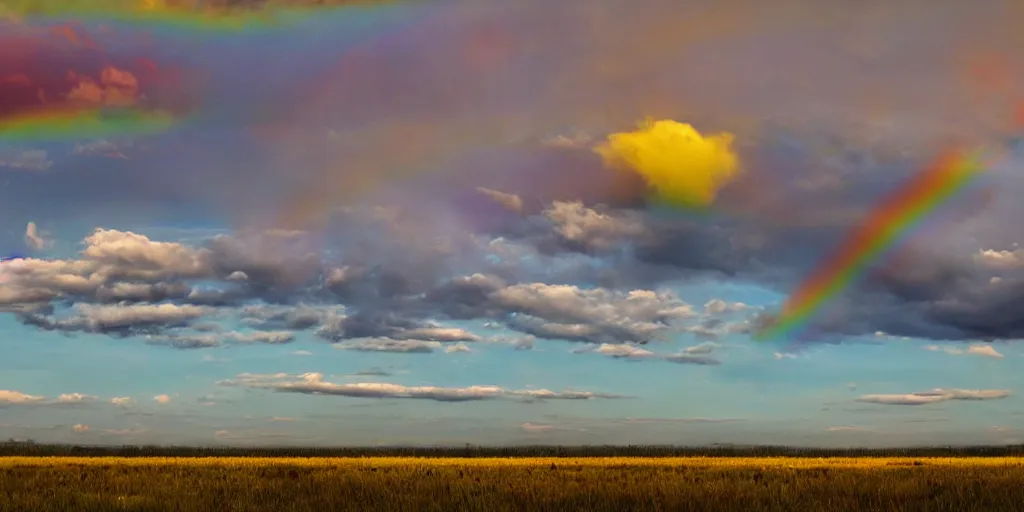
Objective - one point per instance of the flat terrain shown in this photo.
(155, 484)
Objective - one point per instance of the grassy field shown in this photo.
(510, 484)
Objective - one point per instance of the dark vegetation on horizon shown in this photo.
(31, 449)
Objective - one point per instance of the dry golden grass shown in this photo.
(512, 484)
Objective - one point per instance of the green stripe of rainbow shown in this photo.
(156, 12)
(62, 124)
(897, 215)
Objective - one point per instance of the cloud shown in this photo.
(589, 230)
(266, 337)
(373, 372)
(850, 429)
(682, 167)
(121, 401)
(299, 317)
(26, 159)
(701, 349)
(935, 396)
(457, 348)
(102, 147)
(631, 70)
(125, 319)
(80, 428)
(126, 267)
(719, 306)
(815, 158)
(698, 354)
(64, 70)
(74, 398)
(34, 239)
(649, 421)
(435, 332)
(1003, 260)
(184, 341)
(162, 399)
(127, 284)
(538, 428)
(313, 383)
(511, 201)
(125, 431)
(66, 399)
(692, 359)
(985, 350)
(8, 397)
(389, 345)
(523, 342)
(570, 312)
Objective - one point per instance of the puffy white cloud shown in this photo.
(593, 230)
(130, 255)
(599, 315)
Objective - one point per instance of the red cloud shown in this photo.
(64, 68)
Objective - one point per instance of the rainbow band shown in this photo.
(897, 214)
(158, 12)
(92, 123)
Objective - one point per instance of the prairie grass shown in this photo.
(510, 484)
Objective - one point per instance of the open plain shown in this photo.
(199, 484)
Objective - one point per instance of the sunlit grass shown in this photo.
(607, 462)
(601, 484)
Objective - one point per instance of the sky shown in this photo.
(392, 224)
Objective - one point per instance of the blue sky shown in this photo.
(388, 226)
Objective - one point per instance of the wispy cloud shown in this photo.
(850, 429)
(935, 396)
(978, 349)
(314, 384)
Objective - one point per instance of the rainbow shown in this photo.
(881, 231)
(179, 14)
(64, 124)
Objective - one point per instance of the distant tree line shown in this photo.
(32, 449)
